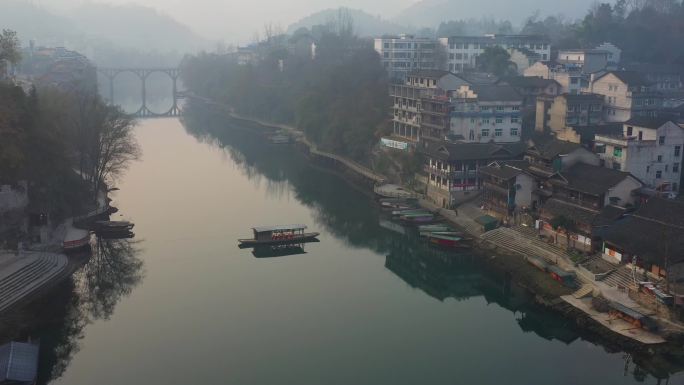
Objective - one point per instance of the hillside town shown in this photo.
(569, 158)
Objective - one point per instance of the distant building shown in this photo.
(666, 78)
(627, 94)
(649, 148)
(571, 79)
(523, 58)
(405, 53)
(462, 51)
(421, 106)
(486, 113)
(587, 61)
(18, 363)
(563, 114)
(453, 168)
(59, 67)
(614, 54)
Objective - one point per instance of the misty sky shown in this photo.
(218, 18)
(233, 20)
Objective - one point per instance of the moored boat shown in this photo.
(113, 226)
(278, 235)
(450, 241)
(417, 218)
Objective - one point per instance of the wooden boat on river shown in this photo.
(278, 235)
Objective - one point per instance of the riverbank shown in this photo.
(547, 292)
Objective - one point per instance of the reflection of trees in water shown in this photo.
(59, 319)
(111, 274)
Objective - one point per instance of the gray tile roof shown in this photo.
(594, 180)
(495, 93)
(450, 151)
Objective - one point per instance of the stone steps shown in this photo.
(29, 278)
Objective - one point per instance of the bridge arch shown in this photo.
(143, 74)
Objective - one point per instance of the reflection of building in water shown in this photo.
(460, 276)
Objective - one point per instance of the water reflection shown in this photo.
(354, 219)
(109, 273)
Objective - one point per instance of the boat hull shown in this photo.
(295, 239)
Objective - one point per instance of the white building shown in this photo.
(588, 61)
(627, 94)
(614, 53)
(486, 113)
(462, 51)
(405, 53)
(648, 148)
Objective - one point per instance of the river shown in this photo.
(364, 306)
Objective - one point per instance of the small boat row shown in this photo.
(443, 235)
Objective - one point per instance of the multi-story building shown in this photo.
(486, 113)
(462, 51)
(571, 79)
(649, 148)
(565, 114)
(452, 168)
(405, 53)
(627, 94)
(433, 87)
(507, 188)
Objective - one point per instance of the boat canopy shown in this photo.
(268, 229)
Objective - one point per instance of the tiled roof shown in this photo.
(528, 81)
(594, 180)
(631, 78)
(433, 74)
(647, 121)
(552, 148)
(653, 232)
(450, 151)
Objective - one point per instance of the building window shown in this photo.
(660, 158)
(514, 132)
(485, 121)
(616, 166)
(678, 150)
(630, 130)
(515, 119)
(498, 132)
(499, 120)
(659, 174)
(675, 167)
(617, 151)
(661, 140)
(485, 132)
(515, 108)
(473, 120)
(500, 108)
(648, 169)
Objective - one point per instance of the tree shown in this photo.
(497, 61)
(9, 49)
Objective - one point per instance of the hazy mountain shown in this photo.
(365, 24)
(429, 13)
(94, 27)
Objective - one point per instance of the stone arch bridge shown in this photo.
(143, 74)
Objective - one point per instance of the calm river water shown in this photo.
(184, 305)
